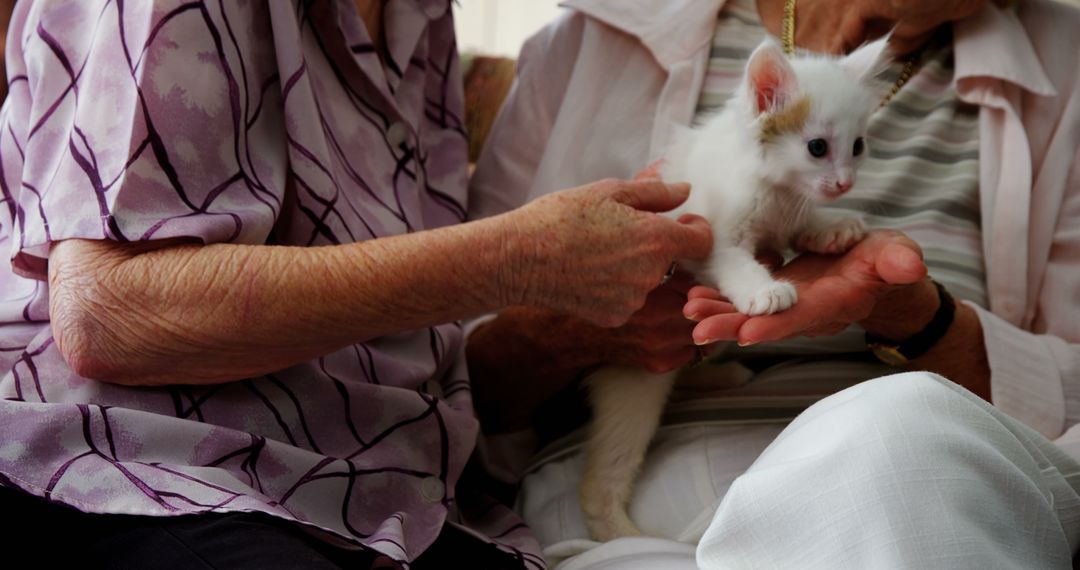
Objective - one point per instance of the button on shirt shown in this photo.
(252, 123)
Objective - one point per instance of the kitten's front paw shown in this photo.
(836, 238)
(771, 298)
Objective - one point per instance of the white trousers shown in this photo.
(906, 471)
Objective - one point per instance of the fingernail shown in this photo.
(746, 343)
(679, 188)
(704, 342)
(694, 317)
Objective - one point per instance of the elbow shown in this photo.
(86, 362)
(85, 342)
(96, 323)
(86, 332)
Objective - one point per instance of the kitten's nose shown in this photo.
(842, 186)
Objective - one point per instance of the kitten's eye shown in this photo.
(860, 146)
(818, 148)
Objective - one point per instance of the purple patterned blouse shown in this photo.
(246, 122)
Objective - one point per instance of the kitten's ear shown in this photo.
(770, 78)
(869, 59)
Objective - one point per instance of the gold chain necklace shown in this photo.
(788, 37)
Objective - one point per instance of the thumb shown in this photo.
(900, 265)
(651, 195)
(693, 237)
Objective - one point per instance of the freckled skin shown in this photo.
(171, 312)
(557, 347)
(621, 266)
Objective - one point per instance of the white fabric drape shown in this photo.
(906, 471)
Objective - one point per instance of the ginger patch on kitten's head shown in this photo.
(790, 119)
(810, 115)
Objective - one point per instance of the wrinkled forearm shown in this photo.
(206, 314)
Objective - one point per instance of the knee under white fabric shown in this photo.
(906, 471)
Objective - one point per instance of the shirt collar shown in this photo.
(994, 44)
(672, 30)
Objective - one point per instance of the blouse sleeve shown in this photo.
(140, 121)
(1035, 375)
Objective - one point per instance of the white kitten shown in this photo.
(791, 137)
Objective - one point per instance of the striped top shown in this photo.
(920, 177)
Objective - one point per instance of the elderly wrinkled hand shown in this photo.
(598, 250)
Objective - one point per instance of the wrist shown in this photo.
(902, 351)
(904, 311)
(504, 255)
